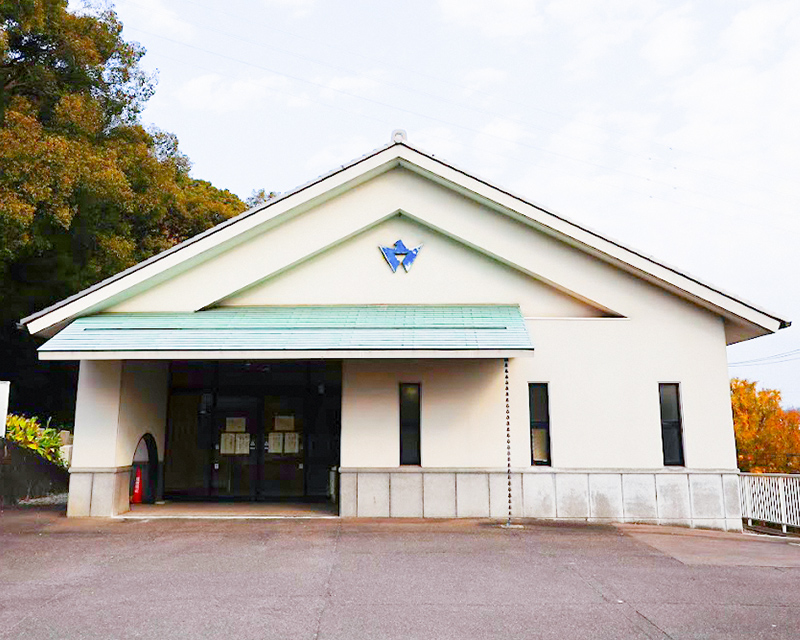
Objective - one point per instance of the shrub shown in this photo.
(29, 433)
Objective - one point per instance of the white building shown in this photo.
(419, 331)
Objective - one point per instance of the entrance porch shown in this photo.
(225, 433)
(248, 404)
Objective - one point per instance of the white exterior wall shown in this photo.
(118, 402)
(461, 412)
(446, 272)
(607, 461)
(604, 407)
(145, 388)
(603, 378)
(603, 372)
(604, 339)
(344, 220)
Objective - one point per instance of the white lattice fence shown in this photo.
(771, 497)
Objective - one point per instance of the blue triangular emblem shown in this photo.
(400, 254)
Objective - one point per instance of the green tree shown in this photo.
(85, 189)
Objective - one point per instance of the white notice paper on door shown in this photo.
(237, 424)
(227, 443)
(291, 443)
(242, 443)
(284, 423)
(275, 442)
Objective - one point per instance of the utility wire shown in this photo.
(485, 150)
(772, 357)
(464, 127)
(459, 104)
(733, 365)
(440, 80)
(762, 364)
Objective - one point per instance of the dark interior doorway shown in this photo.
(253, 430)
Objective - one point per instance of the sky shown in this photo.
(673, 128)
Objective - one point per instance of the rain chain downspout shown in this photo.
(508, 441)
(507, 524)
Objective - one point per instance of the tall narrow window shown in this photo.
(540, 423)
(409, 423)
(671, 432)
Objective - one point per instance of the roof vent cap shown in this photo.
(399, 135)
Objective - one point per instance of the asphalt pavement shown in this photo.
(352, 579)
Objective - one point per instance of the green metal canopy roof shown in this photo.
(369, 328)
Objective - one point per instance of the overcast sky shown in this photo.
(671, 127)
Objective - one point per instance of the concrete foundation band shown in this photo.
(706, 499)
(695, 499)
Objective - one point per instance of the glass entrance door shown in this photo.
(284, 448)
(253, 430)
(234, 469)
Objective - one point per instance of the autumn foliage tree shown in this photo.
(85, 189)
(767, 436)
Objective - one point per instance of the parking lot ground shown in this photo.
(352, 579)
(694, 546)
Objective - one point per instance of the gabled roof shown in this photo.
(750, 320)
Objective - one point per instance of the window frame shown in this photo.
(415, 457)
(675, 425)
(540, 424)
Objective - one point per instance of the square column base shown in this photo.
(98, 492)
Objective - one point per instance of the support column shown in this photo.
(95, 481)
(118, 402)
